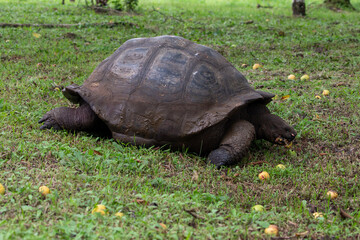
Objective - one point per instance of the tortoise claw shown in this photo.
(44, 118)
(49, 122)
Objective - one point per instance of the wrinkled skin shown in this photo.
(75, 119)
(269, 126)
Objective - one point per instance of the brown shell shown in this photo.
(164, 88)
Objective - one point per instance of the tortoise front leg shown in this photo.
(234, 145)
(81, 118)
(56, 118)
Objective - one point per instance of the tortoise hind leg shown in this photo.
(79, 119)
(234, 144)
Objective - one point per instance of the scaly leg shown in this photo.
(234, 145)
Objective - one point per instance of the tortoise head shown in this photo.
(276, 130)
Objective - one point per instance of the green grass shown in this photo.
(153, 186)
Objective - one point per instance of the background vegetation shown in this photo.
(175, 195)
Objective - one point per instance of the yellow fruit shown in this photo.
(2, 189)
(256, 66)
(318, 215)
(325, 92)
(291, 77)
(332, 194)
(119, 214)
(44, 190)
(36, 35)
(272, 230)
(99, 209)
(257, 208)
(264, 176)
(281, 166)
(244, 65)
(305, 77)
(317, 97)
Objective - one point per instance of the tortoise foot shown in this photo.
(220, 157)
(49, 121)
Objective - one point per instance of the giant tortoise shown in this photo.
(170, 91)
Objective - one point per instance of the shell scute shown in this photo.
(204, 85)
(165, 75)
(128, 64)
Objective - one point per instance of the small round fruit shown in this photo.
(272, 230)
(44, 190)
(257, 208)
(2, 189)
(256, 66)
(291, 77)
(325, 92)
(317, 97)
(332, 194)
(318, 215)
(99, 209)
(264, 176)
(305, 77)
(281, 166)
(119, 214)
(244, 65)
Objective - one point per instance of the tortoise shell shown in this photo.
(164, 88)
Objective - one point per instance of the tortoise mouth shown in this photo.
(283, 141)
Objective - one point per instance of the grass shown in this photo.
(154, 186)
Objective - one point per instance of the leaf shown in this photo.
(26, 208)
(195, 176)
(97, 153)
(36, 35)
(163, 226)
(3, 209)
(277, 60)
(263, 224)
(289, 145)
(302, 234)
(141, 201)
(285, 97)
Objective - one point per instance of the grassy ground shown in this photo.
(156, 190)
